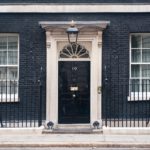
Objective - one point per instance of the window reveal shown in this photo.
(9, 66)
(140, 65)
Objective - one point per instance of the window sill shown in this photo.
(139, 96)
(9, 98)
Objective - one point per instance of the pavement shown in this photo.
(75, 140)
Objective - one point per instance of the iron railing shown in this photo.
(21, 105)
(126, 105)
(123, 105)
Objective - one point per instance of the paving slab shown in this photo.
(75, 140)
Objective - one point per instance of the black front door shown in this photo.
(74, 92)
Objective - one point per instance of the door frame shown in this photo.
(94, 36)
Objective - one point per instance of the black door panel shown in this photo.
(74, 92)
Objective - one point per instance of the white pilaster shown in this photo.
(48, 75)
(100, 76)
(51, 103)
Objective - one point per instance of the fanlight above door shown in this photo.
(74, 51)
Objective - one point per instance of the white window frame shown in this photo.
(11, 97)
(137, 96)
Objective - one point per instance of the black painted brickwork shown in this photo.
(74, 1)
(115, 45)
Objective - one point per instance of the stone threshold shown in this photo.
(72, 129)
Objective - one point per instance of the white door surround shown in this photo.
(90, 33)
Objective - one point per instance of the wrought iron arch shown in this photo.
(74, 50)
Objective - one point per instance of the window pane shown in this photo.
(8, 56)
(12, 74)
(146, 85)
(12, 43)
(146, 55)
(136, 55)
(8, 88)
(3, 57)
(135, 85)
(12, 58)
(3, 87)
(146, 71)
(12, 88)
(135, 70)
(3, 43)
(136, 41)
(3, 74)
(146, 41)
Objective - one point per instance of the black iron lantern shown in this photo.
(72, 32)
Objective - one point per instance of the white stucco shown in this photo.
(75, 8)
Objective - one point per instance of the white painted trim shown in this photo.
(74, 8)
(72, 59)
(7, 98)
(61, 26)
(139, 96)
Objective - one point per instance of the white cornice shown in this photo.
(81, 25)
(76, 8)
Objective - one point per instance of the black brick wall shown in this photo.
(115, 45)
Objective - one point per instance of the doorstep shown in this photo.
(72, 129)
